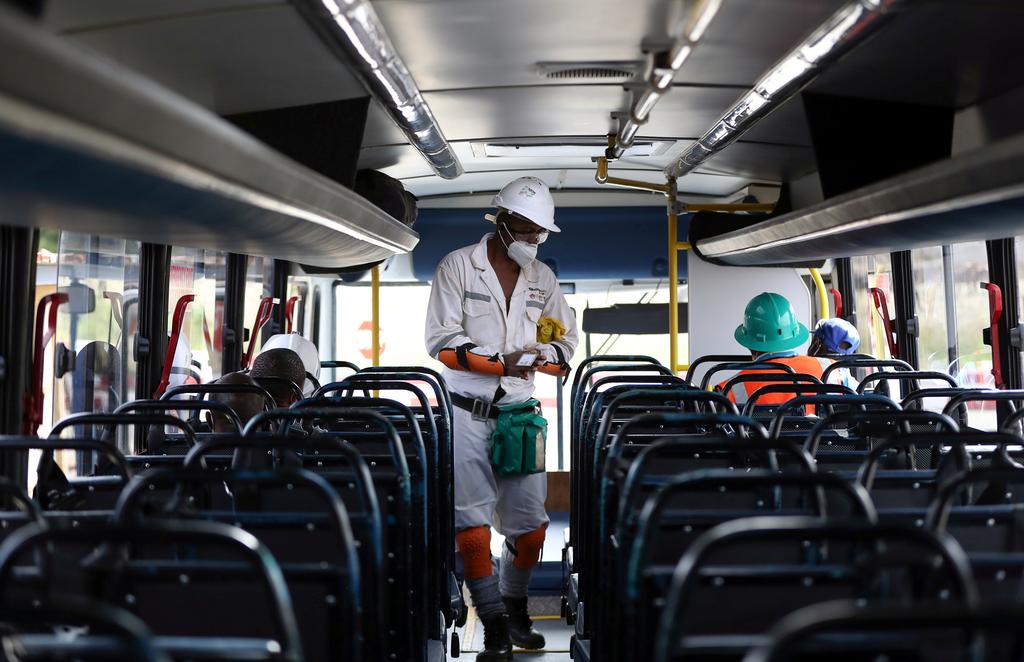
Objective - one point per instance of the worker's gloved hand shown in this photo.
(513, 370)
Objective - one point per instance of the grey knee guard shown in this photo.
(486, 597)
(514, 582)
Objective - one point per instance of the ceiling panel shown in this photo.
(748, 36)
(753, 162)
(257, 57)
(963, 53)
(580, 110)
(507, 38)
(705, 185)
(76, 15)
(757, 161)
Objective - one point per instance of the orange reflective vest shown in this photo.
(807, 365)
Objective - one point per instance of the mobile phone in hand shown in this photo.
(526, 360)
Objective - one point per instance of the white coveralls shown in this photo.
(467, 305)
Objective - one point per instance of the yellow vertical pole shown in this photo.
(819, 285)
(673, 278)
(375, 328)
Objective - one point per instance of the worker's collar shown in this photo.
(776, 355)
(480, 261)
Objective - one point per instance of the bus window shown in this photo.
(861, 304)
(1018, 248)
(197, 357)
(296, 305)
(973, 367)
(935, 352)
(872, 271)
(403, 310)
(257, 277)
(936, 345)
(93, 365)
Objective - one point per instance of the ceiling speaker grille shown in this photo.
(603, 71)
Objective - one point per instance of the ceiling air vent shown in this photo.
(616, 72)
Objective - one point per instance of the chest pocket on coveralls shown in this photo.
(475, 311)
(533, 314)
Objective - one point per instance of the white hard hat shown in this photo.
(304, 348)
(530, 198)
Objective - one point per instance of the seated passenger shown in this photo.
(835, 336)
(282, 364)
(288, 356)
(246, 405)
(771, 332)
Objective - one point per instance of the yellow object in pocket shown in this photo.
(548, 329)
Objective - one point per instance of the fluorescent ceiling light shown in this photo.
(720, 132)
(566, 150)
(644, 104)
(703, 14)
(821, 43)
(744, 109)
(782, 75)
(682, 52)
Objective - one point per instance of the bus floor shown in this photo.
(545, 613)
(544, 606)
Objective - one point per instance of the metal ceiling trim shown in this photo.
(661, 69)
(354, 33)
(849, 27)
(68, 105)
(878, 218)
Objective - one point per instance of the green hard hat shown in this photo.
(770, 325)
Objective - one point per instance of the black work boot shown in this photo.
(497, 646)
(520, 627)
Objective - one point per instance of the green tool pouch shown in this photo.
(518, 440)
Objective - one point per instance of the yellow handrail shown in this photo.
(674, 245)
(819, 284)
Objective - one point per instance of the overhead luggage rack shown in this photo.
(90, 146)
(924, 207)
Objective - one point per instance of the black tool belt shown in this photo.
(480, 409)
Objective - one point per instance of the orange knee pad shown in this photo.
(528, 548)
(475, 547)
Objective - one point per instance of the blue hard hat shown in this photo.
(832, 333)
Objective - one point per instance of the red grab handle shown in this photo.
(837, 301)
(995, 312)
(33, 400)
(882, 306)
(262, 317)
(289, 310)
(177, 321)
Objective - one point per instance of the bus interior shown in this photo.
(182, 180)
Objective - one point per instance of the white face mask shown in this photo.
(520, 252)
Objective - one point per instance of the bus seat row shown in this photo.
(319, 532)
(701, 533)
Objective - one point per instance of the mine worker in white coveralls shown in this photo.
(497, 316)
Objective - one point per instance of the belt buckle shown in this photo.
(481, 410)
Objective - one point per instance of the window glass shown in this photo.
(860, 307)
(91, 362)
(198, 355)
(256, 279)
(1018, 248)
(403, 311)
(296, 308)
(934, 350)
(973, 367)
(936, 344)
(872, 271)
